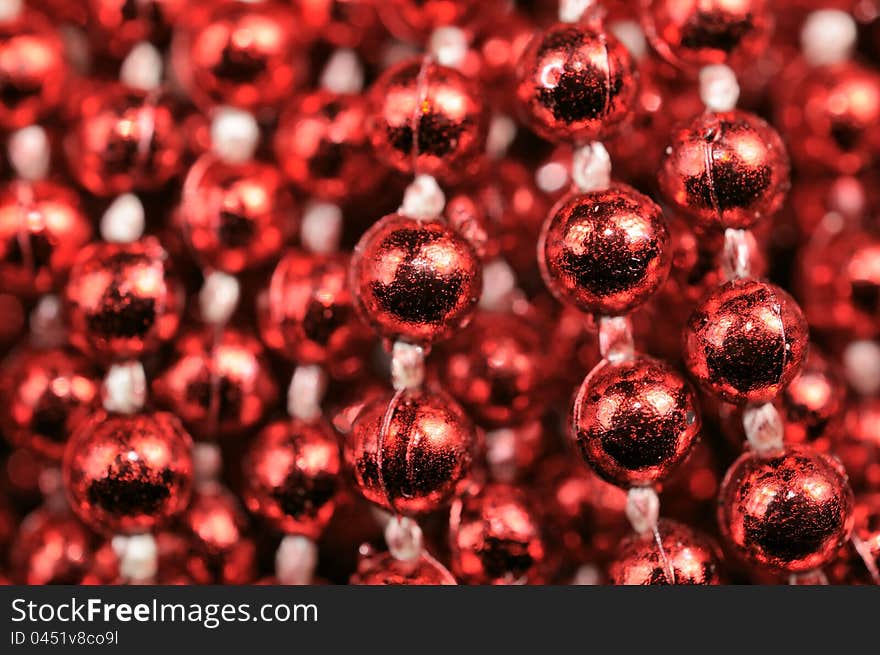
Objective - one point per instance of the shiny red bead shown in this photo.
(605, 252)
(427, 118)
(746, 341)
(292, 474)
(576, 82)
(216, 520)
(122, 300)
(415, 20)
(410, 450)
(726, 169)
(114, 27)
(128, 473)
(792, 511)
(635, 421)
(384, 569)
(415, 280)
(812, 405)
(50, 547)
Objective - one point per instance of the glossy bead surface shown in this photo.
(575, 83)
(50, 547)
(605, 252)
(414, 280)
(292, 473)
(812, 405)
(635, 421)
(384, 569)
(216, 519)
(114, 27)
(409, 450)
(726, 169)
(791, 511)
(128, 473)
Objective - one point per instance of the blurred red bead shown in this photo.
(307, 314)
(178, 562)
(215, 519)
(50, 547)
(218, 384)
(42, 229)
(696, 33)
(791, 511)
(635, 421)
(410, 449)
(746, 341)
(576, 83)
(415, 280)
(812, 405)
(694, 559)
(497, 369)
(33, 69)
(496, 538)
(427, 118)
(124, 139)
(858, 446)
(292, 475)
(383, 569)
(830, 118)
(416, 20)
(859, 561)
(236, 216)
(605, 252)
(243, 54)
(122, 300)
(47, 394)
(342, 23)
(127, 474)
(114, 27)
(726, 169)
(322, 147)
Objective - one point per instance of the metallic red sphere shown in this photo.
(497, 368)
(42, 229)
(696, 33)
(694, 558)
(247, 55)
(114, 27)
(216, 520)
(33, 69)
(427, 118)
(121, 299)
(746, 341)
(791, 511)
(308, 315)
(496, 538)
(128, 473)
(812, 405)
(292, 475)
(46, 395)
(635, 421)
(576, 82)
(236, 216)
(859, 561)
(605, 252)
(384, 569)
(858, 446)
(50, 547)
(409, 450)
(322, 147)
(416, 20)
(124, 139)
(726, 169)
(218, 384)
(343, 23)
(415, 280)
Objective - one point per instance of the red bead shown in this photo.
(342, 23)
(218, 384)
(496, 538)
(812, 404)
(47, 394)
(33, 70)
(415, 20)
(51, 547)
(696, 33)
(693, 557)
(635, 421)
(726, 169)
(42, 229)
(121, 299)
(124, 139)
(115, 27)
(383, 569)
(128, 473)
(792, 511)
(243, 54)
(292, 475)
(746, 341)
(307, 314)
(415, 280)
(236, 216)
(218, 525)
(321, 146)
(410, 449)
(427, 118)
(605, 252)
(858, 446)
(576, 82)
